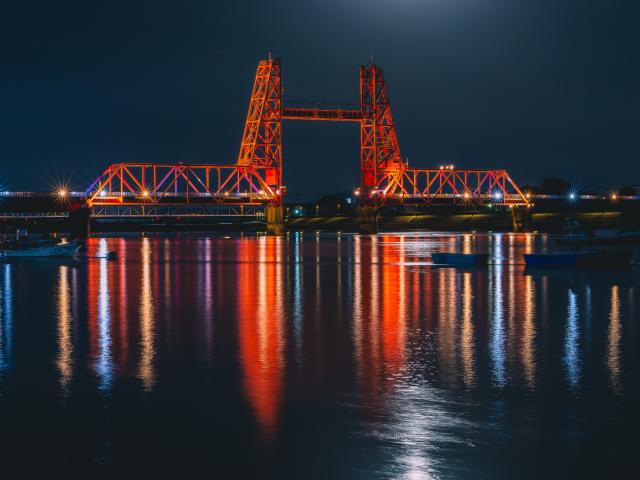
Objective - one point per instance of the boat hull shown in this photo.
(460, 258)
(59, 250)
(632, 238)
(586, 259)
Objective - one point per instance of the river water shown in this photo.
(317, 356)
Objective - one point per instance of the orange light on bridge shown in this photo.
(145, 194)
(62, 193)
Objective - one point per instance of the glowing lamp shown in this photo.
(62, 193)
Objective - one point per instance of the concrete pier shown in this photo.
(275, 219)
(80, 225)
(521, 216)
(368, 219)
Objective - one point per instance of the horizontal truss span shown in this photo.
(142, 211)
(452, 185)
(21, 215)
(137, 184)
(322, 114)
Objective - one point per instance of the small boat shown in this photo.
(581, 259)
(621, 238)
(41, 249)
(575, 236)
(460, 258)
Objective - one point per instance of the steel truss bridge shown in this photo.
(256, 176)
(255, 179)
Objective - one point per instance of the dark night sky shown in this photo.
(538, 87)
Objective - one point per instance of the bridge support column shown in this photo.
(521, 216)
(274, 215)
(368, 219)
(79, 220)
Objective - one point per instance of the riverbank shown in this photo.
(498, 221)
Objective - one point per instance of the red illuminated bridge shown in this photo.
(256, 176)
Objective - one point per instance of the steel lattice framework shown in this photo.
(256, 177)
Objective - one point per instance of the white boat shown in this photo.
(41, 249)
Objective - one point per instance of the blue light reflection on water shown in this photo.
(278, 347)
(572, 349)
(6, 318)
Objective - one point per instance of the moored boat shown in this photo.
(460, 258)
(41, 249)
(573, 235)
(584, 259)
(621, 238)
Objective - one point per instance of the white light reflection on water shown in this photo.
(298, 293)
(419, 428)
(207, 301)
(496, 313)
(104, 362)
(571, 358)
(6, 319)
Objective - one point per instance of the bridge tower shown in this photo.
(380, 160)
(261, 145)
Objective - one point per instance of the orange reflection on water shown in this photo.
(366, 314)
(447, 324)
(65, 347)
(123, 325)
(466, 337)
(394, 301)
(380, 302)
(467, 243)
(614, 337)
(527, 350)
(260, 328)
(146, 369)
